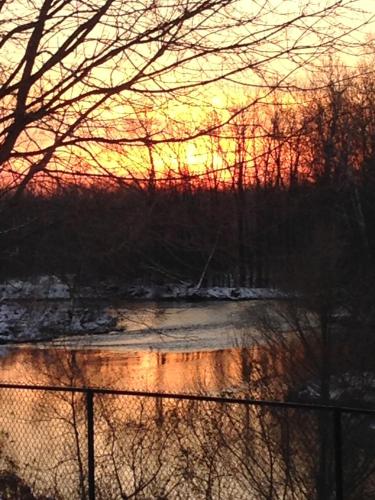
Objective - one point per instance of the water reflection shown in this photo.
(186, 372)
(156, 448)
(163, 448)
(173, 347)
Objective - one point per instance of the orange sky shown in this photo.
(189, 113)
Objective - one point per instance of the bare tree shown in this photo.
(70, 69)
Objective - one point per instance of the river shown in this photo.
(161, 447)
(157, 346)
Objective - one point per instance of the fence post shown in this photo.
(337, 439)
(90, 443)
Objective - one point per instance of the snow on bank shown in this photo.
(354, 389)
(52, 287)
(23, 322)
(46, 307)
(192, 293)
(42, 287)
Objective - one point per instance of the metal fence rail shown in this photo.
(63, 442)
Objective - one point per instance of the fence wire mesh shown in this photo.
(167, 447)
(43, 444)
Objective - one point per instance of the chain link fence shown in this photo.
(58, 443)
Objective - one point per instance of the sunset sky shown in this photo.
(160, 82)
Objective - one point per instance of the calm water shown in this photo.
(168, 347)
(154, 447)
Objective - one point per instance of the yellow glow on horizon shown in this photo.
(165, 118)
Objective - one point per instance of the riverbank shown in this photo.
(47, 307)
(55, 288)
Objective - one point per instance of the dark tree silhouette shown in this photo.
(70, 69)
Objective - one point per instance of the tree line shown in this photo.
(283, 186)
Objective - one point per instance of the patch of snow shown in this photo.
(43, 307)
(346, 387)
(189, 292)
(52, 287)
(42, 287)
(41, 320)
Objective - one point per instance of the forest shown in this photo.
(291, 198)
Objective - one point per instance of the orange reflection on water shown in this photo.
(185, 372)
